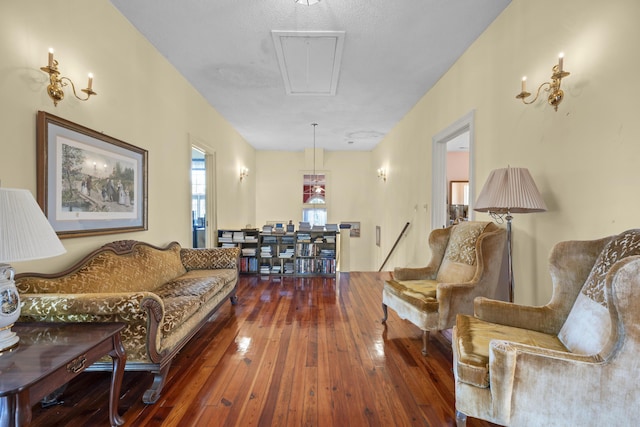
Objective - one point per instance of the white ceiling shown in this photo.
(393, 52)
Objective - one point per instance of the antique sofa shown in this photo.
(571, 362)
(164, 295)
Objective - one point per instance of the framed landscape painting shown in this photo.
(89, 183)
(355, 228)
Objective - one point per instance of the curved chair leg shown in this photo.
(461, 419)
(425, 340)
(386, 313)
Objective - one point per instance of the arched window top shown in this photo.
(316, 199)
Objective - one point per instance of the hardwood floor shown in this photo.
(293, 352)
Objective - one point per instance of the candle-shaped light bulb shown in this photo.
(90, 83)
(50, 57)
(560, 61)
(524, 83)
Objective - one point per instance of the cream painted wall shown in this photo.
(583, 157)
(141, 100)
(351, 182)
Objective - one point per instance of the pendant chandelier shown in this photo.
(316, 188)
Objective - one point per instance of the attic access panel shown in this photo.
(309, 60)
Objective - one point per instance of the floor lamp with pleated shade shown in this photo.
(508, 191)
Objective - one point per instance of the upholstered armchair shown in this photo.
(571, 362)
(466, 262)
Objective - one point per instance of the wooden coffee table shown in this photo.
(48, 356)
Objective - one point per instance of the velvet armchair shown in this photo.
(466, 262)
(573, 361)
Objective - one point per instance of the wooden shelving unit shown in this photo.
(298, 253)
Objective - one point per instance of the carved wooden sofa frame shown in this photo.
(164, 295)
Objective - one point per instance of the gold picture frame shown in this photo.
(89, 183)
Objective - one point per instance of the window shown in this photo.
(313, 194)
(313, 189)
(314, 216)
(198, 189)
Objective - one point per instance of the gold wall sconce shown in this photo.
(555, 93)
(57, 82)
(244, 172)
(382, 174)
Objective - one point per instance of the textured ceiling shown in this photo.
(393, 53)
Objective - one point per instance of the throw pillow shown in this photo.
(588, 325)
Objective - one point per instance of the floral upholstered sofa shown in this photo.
(164, 295)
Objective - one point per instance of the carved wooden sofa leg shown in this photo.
(234, 298)
(153, 394)
(386, 313)
(461, 419)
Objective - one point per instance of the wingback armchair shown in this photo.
(466, 262)
(573, 361)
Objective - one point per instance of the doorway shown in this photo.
(198, 199)
(458, 178)
(449, 146)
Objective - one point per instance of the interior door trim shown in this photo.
(439, 215)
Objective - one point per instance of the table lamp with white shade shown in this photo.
(25, 235)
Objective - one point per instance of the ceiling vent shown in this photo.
(309, 60)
